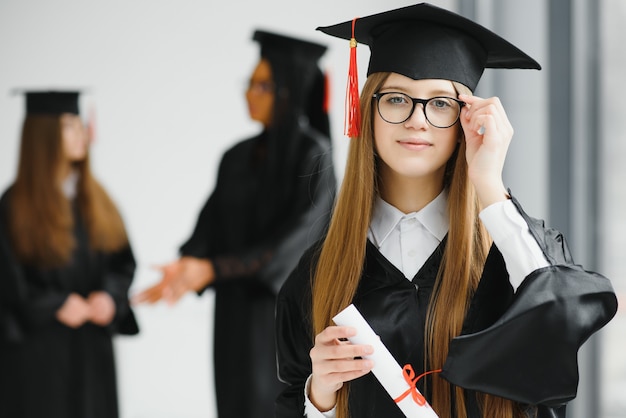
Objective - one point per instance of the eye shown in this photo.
(397, 99)
(442, 104)
(261, 86)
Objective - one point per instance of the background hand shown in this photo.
(179, 277)
(155, 293)
(74, 312)
(102, 308)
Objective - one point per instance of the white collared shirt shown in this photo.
(407, 240)
(70, 185)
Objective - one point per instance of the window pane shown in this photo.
(613, 204)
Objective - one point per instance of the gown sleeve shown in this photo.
(293, 339)
(118, 276)
(529, 354)
(306, 225)
(21, 307)
(10, 293)
(272, 259)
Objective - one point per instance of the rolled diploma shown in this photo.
(386, 368)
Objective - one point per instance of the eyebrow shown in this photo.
(434, 93)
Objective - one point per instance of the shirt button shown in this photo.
(411, 221)
(412, 253)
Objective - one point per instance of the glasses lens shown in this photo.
(260, 87)
(442, 112)
(395, 107)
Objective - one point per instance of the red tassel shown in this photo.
(326, 93)
(352, 119)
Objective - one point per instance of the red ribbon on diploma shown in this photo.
(409, 377)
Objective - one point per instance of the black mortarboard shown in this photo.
(51, 102)
(424, 41)
(290, 46)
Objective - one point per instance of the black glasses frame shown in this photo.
(415, 101)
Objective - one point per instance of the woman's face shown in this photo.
(260, 94)
(414, 149)
(75, 140)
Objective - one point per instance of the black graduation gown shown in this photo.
(46, 368)
(254, 244)
(504, 362)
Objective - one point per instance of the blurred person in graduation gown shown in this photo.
(443, 263)
(65, 269)
(272, 199)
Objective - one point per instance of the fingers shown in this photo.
(151, 295)
(102, 308)
(161, 290)
(175, 290)
(335, 361)
(479, 114)
(332, 333)
(74, 312)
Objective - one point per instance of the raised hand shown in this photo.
(488, 134)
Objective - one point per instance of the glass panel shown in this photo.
(613, 204)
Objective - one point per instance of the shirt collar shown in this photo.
(70, 185)
(386, 217)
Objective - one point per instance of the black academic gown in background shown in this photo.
(509, 354)
(46, 368)
(254, 242)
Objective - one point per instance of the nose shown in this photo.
(417, 120)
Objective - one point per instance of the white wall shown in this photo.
(167, 80)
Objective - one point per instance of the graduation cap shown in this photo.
(297, 48)
(295, 64)
(50, 102)
(424, 41)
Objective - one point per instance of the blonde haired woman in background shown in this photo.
(65, 269)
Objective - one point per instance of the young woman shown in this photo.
(65, 269)
(432, 249)
(272, 200)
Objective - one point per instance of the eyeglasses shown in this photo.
(440, 112)
(260, 87)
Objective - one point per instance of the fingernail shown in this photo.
(368, 349)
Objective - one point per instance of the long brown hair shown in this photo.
(41, 219)
(343, 253)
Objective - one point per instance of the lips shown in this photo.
(415, 144)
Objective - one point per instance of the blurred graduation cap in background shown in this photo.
(50, 102)
(294, 47)
(296, 71)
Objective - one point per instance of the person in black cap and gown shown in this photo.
(272, 200)
(437, 255)
(65, 268)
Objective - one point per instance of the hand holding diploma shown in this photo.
(335, 361)
(399, 383)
